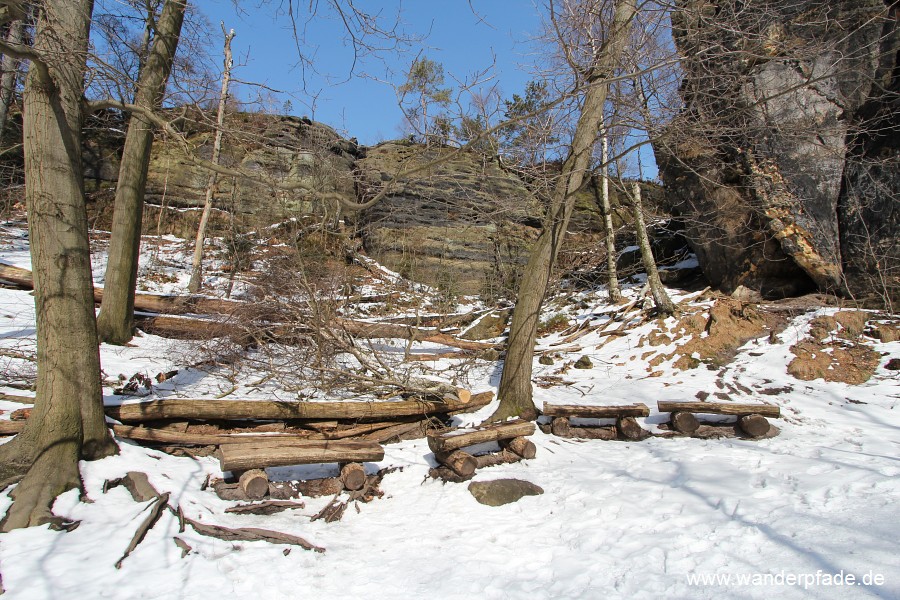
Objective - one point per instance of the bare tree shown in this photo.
(9, 70)
(197, 262)
(115, 323)
(68, 423)
(605, 51)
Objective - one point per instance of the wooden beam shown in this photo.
(721, 408)
(209, 409)
(596, 412)
(241, 457)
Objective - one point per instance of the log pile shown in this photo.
(751, 418)
(626, 426)
(456, 464)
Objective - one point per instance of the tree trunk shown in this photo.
(197, 264)
(67, 423)
(615, 294)
(515, 383)
(660, 297)
(10, 72)
(116, 321)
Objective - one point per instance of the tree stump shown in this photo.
(754, 425)
(461, 463)
(685, 422)
(254, 483)
(353, 476)
(629, 428)
(521, 446)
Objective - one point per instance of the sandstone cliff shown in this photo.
(784, 161)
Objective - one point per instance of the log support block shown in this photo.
(353, 476)
(684, 422)
(630, 429)
(461, 463)
(754, 425)
(254, 483)
(520, 446)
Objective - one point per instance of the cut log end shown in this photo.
(254, 483)
(754, 425)
(685, 422)
(353, 476)
(461, 463)
(560, 427)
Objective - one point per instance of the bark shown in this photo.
(721, 408)
(197, 264)
(515, 383)
(68, 422)
(597, 412)
(454, 440)
(116, 321)
(660, 298)
(9, 67)
(497, 458)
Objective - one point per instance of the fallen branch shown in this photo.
(250, 534)
(148, 523)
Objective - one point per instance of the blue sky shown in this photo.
(363, 107)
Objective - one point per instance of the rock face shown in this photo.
(785, 160)
(285, 149)
(462, 226)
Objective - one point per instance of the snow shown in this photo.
(616, 520)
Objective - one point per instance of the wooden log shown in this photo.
(164, 304)
(596, 412)
(254, 483)
(208, 409)
(461, 463)
(353, 476)
(497, 458)
(11, 427)
(754, 425)
(20, 414)
(313, 488)
(684, 422)
(521, 446)
(561, 427)
(447, 442)
(721, 408)
(228, 491)
(269, 507)
(630, 429)
(240, 457)
(594, 433)
(163, 436)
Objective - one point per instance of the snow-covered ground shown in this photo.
(791, 516)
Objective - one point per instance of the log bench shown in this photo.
(248, 460)
(458, 465)
(751, 418)
(626, 427)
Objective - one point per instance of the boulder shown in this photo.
(503, 491)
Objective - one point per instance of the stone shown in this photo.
(503, 491)
(584, 363)
(545, 360)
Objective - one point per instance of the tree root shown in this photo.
(52, 473)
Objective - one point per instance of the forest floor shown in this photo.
(678, 517)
